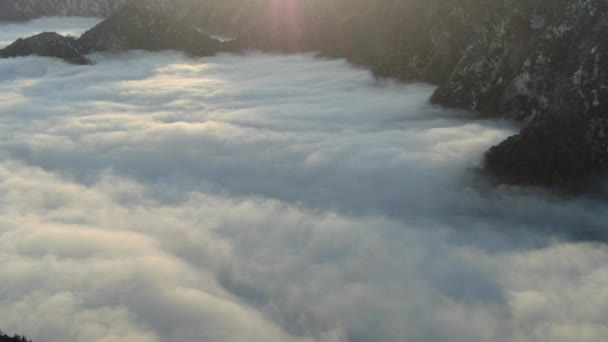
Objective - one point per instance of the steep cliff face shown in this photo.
(535, 59)
(546, 63)
(567, 152)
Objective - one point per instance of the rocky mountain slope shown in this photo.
(48, 44)
(133, 27)
(541, 61)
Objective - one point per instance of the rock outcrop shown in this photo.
(568, 152)
(546, 63)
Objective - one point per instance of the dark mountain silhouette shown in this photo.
(133, 27)
(47, 44)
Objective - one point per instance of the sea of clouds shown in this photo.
(155, 197)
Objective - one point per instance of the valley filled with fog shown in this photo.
(258, 197)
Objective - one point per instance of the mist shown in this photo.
(257, 197)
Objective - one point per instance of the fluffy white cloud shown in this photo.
(154, 197)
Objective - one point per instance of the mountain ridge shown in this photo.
(134, 27)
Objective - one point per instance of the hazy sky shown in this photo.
(154, 197)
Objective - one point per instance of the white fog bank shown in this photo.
(155, 197)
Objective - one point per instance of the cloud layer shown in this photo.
(154, 197)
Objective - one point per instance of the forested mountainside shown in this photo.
(542, 61)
